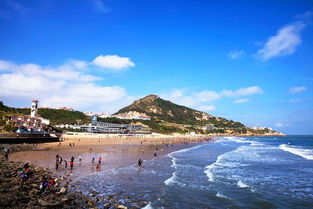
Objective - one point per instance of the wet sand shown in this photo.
(115, 152)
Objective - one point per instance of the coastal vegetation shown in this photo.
(166, 118)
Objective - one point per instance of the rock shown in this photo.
(45, 203)
(122, 207)
(107, 205)
(62, 190)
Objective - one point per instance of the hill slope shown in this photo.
(167, 117)
(160, 109)
(55, 116)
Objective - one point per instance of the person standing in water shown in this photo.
(93, 160)
(139, 163)
(100, 159)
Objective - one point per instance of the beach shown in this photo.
(115, 151)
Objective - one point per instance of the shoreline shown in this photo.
(115, 153)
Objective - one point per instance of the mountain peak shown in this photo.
(158, 108)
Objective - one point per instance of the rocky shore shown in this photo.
(15, 194)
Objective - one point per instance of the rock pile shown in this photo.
(14, 194)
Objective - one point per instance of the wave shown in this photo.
(171, 180)
(148, 206)
(241, 184)
(244, 140)
(209, 172)
(184, 150)
(220, 162)
(222, 196)
(305, 153)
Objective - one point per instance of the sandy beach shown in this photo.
(115, 152)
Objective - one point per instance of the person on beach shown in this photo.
(6, 153)
(65, 164)
(93, 160)
(72, 164)
(100, 159)
(56, 165)
(98, 167)
(51, 182)
(44, 184)
(139, 163)
(72, 158)
(80, 158)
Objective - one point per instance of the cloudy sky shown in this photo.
(249, 61)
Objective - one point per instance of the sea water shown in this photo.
(231, 172)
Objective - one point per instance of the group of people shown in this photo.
(25, 173)
(59, 160)
(47, 183)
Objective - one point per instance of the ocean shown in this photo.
(230, 172)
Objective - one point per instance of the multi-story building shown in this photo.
(30, 123)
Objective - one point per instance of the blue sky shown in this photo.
(249, 61)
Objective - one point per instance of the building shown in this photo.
(30, 123)
(260, 128)
(208, 127)
(34, 108)
(108, 128)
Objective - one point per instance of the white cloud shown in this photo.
(239, 101)
(113, 62)
(207, 108)
(235, 54)
(63, 85)
(242, 91)
(297, 89)
(304, 16)
(199, 100)
(79, 64)
(294, 100)
(279, 124)
(283, 43)
(100, 6)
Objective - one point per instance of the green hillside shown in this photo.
(55, 116)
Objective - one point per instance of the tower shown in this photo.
(33, 110)
(94, 120)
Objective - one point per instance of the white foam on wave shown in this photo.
(148, 206)
(184, 150)
(305, 153)
(220, 162)
(209, 173)
(241, 184)
(222, 196)
(244, 140)
(171, 180)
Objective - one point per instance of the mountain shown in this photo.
(160, 109)
(164, 110)
(168, 117)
